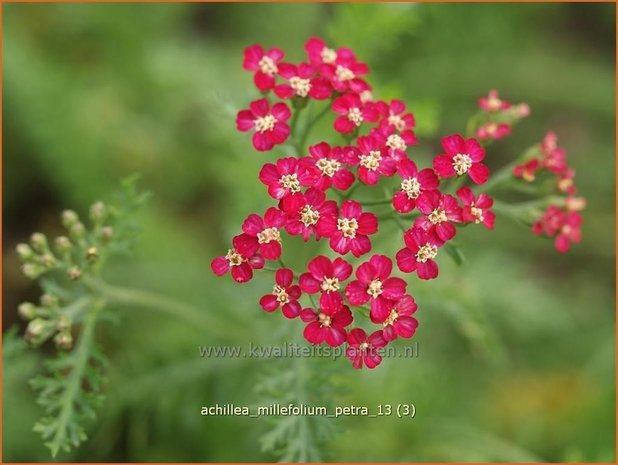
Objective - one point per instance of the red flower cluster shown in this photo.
(377, 135)
(560, 222)
(499, 116)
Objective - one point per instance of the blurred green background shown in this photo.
(517, 347)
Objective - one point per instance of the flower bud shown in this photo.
(575, 204)
(74, 273)
(32, 271)
(63, 340)
(63, 244)
(63, 323)
(39, 330)
(98, 212)
(49, 301)
(69, 218)
(26, 310)
(92, 254)
(106, 233)
(48, 260)
(77, 231)
(39, 242)
(24, 251)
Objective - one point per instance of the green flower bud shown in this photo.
(39, 330)
(69, 218)
(32, 271)
(48, 260)
(77, 231)
(39, 242)
(106, 233)
(63, 340)
(63, 323)
(74, 273)
(24, 251)
(63, 244)
(98, 212)
(49, 301)
(26, 310)
(92, 254)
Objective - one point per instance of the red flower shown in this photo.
(328, 324)
(419, 253)
(440, 210)
(549, 143)
(342, 69)
(305, 212)
(288, 176)
(493, 130)
(476, 209)
(262, 235)
(570, 232)
(413, 184)
(240, 264)
(527, 171)
(363, 350)
(566, 182)
(353, 112)
(268, 123)
(325, 276)
(555, 162)
(264, 64)
(284, 295)
(302, 82)
(349, 232)
(394, 116)
(319, 54)
(565, 226)
(493, 102)
(462, 156)
(374, 284)
(374, 160)
(330, 163)
(400, 322)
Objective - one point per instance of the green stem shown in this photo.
(74, 381)
(311, 124)
(152, 301)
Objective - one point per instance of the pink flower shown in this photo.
(555, 162)
(394, 116)
(441, 211)
(527, 171)
(570, 232)
(268, 123)
(400, 322)
(476, 210)
(363, 350)
(328, 324)
(413, 184)
(305, 212)
(374, 284)
(566, 182)
(419, 254)
(262, 235)
(330, 162)
(284, 295)
(564, 226)
(374, 160)
(344, 71)
(350, 231)
(302, 82)
(240, 264)
(493, 103)
(264, 64)
(462, 156)
(319, 54)
(493, 131)
(549, 143)
(325, 276)
(288, 176)
(353, 113)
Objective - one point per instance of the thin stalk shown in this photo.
(311, 124)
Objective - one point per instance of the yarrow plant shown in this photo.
(313, 187)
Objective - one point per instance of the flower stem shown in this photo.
(310, 125)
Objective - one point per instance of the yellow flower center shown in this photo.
(348, 227)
